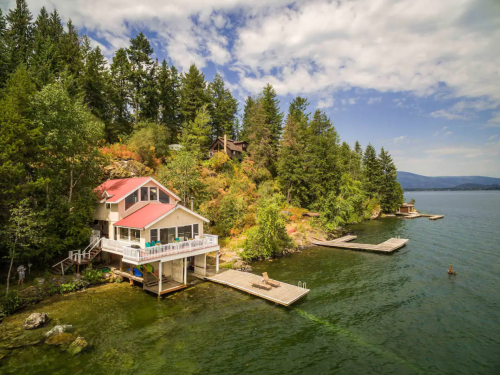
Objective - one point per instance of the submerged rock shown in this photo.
(58, 329)
(35, 320)
(77, 346)
(60, 339)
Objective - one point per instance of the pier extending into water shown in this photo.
(285, 294)
(388, 246)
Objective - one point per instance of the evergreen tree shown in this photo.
(150, 104)
(19, 35)
(223, 108)
(120, 89)
(43, 50)
(4, 53)
(273, 119)
(70, 52)
(391, 194)
(356, 166)
(139, 54)
(193, 93)
(169, 99)
(196, 134)
(345, 158)
(245, 123)
(371, 171)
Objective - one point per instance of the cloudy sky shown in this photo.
(419, 77)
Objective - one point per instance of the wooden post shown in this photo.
(121, 264)
(217, 262)
(185, 271)
(160, 271)
(62, 269)
(131, 269)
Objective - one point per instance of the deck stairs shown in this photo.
(84, 256)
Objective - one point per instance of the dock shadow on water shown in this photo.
(365, 313)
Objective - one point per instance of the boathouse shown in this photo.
(147, 235)
(407, 208)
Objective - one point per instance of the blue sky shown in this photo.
(418, 77)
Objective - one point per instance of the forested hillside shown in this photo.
(69, 119)
(416, 181)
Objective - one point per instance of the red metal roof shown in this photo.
(145, 215)
(119, 188)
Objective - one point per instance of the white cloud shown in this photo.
(352, 101)
(496, 118)
(373, 100)
(399, 139)
(326, 102)
(448, 115)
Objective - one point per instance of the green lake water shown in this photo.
(366, 313)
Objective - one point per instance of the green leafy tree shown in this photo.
(269, 237)
(22, 233)
(223, 108)
(193, 93)
(150, 141)
(391, 193)
(196, 134)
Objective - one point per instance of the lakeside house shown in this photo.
(147, 235)
(407, 208)
(234, 149)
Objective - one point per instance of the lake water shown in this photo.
(366, 313)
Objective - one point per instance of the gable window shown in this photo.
(131, 200)
(153, 194)
(135, 235)
(144, 194)
(164, 197)
(108, 206)
(196, 230)
(153, 235)
(124, 234)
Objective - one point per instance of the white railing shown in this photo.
(155, 252)
(113, 245)
(78, 255)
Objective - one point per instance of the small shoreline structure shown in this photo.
(388, 246)
(407, 211)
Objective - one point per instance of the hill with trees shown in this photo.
(69, 120)
(415, 181)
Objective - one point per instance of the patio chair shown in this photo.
(148, 244)
(260, 285)
(268, 281)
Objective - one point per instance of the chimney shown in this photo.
(192, 204)
(225, 143)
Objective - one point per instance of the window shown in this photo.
(164, 198)
(167, 235)
(124, 234)
(153, 194)
(115, 233)
(135, 235)
(108, 206)
(153, 235)
(196, 231)
(144, 194)
(131, 200)
(185, 233)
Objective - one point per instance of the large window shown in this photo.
(153, 194)
(185, 233)
(167, 235)
(124, 234)
(135, 235)
(164, 198)
(196, 231)
(131, 199)
(144, 194)
(153, 235)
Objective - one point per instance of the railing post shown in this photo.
(62, 269)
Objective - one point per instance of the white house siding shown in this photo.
(178, 218)
(177, 270)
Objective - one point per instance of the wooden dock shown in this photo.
(285, 294)
(436, 217)
(388, 246)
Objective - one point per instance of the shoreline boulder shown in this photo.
(58, 329)
(77, 346)
(36, 320)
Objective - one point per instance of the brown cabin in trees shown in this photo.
(407, 208)
(233, 149)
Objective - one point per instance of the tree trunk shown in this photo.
(70, 184)
(11, 264)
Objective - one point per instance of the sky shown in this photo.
(420, 78)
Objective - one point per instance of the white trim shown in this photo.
(173, 210)
(122, 226)
(144, 183)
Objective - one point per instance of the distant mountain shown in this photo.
(416, 181)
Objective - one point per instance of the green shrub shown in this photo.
(92, 276)
(11, 303)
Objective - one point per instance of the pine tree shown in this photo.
(4, 55)
(43, 50)
(249, 103)
(193, 93)
(371, 171)
(19, 35)
(120, 89)
(345, 158)
(70, 52)
(150, 103)
(391, 194)
(223, 108)
(169, 99)
(274, 118)
(139, 56)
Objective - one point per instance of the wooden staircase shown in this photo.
(77, 257)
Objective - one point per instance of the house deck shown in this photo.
(285, 294)
(388, 246)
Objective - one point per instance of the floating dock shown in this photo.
(436, 217)
(388, 246)
(285, 294)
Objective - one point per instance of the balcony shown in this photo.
(156, 252)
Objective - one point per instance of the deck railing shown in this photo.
(155, 252)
